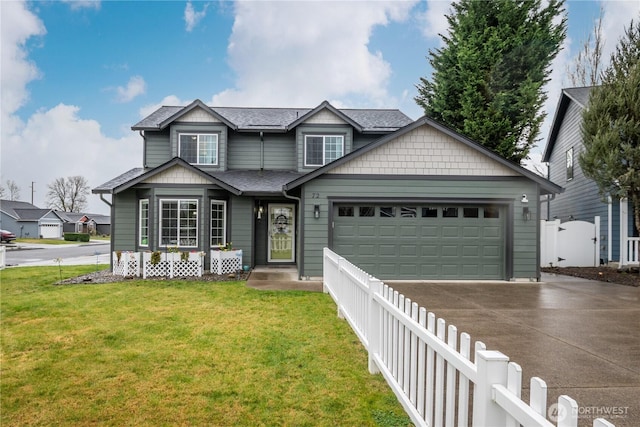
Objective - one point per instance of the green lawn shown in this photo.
(179, 353)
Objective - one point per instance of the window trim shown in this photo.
(160, 226)
(224, 223)
(324, 148)
(198, 135)
(140, 222)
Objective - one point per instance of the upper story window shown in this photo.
(199, 149)
(322, 149)
(570, 164)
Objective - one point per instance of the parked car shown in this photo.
(7, 236)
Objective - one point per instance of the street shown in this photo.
(21, 254)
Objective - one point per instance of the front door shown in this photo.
(281, 233)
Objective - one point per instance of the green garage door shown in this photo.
(396, 241)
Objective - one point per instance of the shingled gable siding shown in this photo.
(177, 175)
(244, 151)
(580, 199)
(220, 129)
(424, 151)
(522, 245)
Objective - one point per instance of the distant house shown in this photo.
(401, 199)
(27, 220)
(75, 222)
(580, 199)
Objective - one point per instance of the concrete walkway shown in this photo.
(581, 337)
(280, 279)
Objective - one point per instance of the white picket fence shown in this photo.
(430, 371)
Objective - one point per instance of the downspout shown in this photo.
(111, 227)
(300, 256)
(144, 148)
(261, 151)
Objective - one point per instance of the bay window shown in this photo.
(179, 223)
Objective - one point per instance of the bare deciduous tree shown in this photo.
(13, 190)
(586, 69)
(68, 194)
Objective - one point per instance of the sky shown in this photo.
(76, 75)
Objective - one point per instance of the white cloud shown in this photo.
(301, 53)
(433, 20)
(170, 100)
(83, 4)
(58, 143)
(191, 17)
(55, 142)
(135, 87)
(16, 70)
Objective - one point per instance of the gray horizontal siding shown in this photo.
(524, 245)
(580, 200)
(274, 152)
(157, 148)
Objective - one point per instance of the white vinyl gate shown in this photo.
(569, 244)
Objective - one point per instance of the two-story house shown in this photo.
(401, 199)
(581, 199)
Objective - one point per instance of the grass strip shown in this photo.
(179, 353)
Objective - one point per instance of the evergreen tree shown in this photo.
(611, 125)
(487, 79)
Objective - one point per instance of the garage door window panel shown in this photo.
(491, 212)
(408, 212)
(429, 212)
(345, 211)
(367, 211)
(387, 212)
(450, 212)
(470, 212)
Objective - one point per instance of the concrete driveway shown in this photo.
(581, 337)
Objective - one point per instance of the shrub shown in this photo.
(76, 237)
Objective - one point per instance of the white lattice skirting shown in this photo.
(172, 265)
(128, 265)
(226, 262)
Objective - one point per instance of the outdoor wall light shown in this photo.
(260, 211)
(526, 214)
(316, 211)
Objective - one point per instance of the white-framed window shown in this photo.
(570, 164)
(143, 223)
(322, 149)
(179, 223)
(218, 223)
(198, 149)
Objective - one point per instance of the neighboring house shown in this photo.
(401, 199)
(27, 220)
(75, 222)
(581, 199)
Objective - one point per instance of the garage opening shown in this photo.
(422, 241)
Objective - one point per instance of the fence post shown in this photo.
(374, 324)
(339, 287)
(492, 369)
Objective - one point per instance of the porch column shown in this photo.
(624, 231)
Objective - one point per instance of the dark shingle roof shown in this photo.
(9, 207)
(31, 214)
(579, 94)
(119, 180)
(278, 119)
(257, 182)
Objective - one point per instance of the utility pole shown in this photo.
(32, 190)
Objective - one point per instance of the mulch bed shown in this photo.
(628, 277)
(105, 276)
